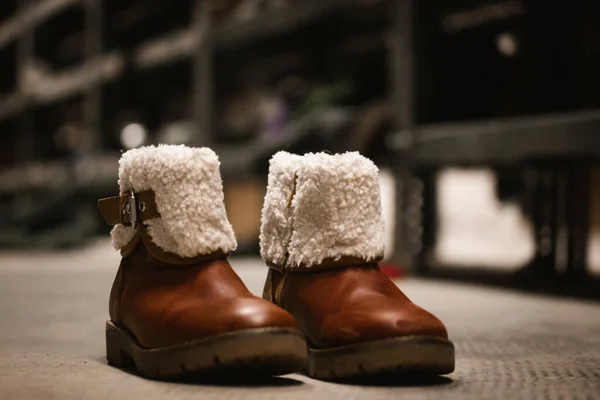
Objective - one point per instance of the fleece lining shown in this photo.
(335, 209)
(189, 196)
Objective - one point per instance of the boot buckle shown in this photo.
(131, 209)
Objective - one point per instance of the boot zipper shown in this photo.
(268, 289)
(279, 290)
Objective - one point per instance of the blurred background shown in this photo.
(483, 116)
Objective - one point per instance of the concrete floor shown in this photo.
(509, 345)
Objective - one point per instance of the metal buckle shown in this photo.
(131, 209)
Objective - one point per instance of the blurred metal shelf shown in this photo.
(277, 22)
(238, 160)
(166, 49)
(100, 168)
(171, 47)
(30, 17)
(508, 140)
(93, 170)
(74, 81)
(183, 43)
(13, 104)
(555, 154)
(62, 85)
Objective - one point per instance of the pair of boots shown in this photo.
(178, 308)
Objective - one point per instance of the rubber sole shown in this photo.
(406, 355)
(263, 351)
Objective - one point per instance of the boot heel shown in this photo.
(115, 355)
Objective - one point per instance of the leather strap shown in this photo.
(328, 263)
(117, 210)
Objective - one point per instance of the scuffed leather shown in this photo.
(351, 305)
(163, 304)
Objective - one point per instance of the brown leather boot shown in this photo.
(322, 236)
(176, 306)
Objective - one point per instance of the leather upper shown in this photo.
(350, 305)
(163, 304)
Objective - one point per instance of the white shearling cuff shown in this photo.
(335, 209)
(276, 226)
(189, 197)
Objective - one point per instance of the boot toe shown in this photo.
(409, 320)
(380, 324)
(420, 323)
(253, 313)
